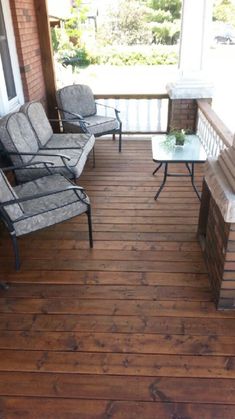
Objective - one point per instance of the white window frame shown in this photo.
(12, 105)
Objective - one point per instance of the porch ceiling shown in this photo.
(127, 329)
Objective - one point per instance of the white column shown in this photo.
(194, 45)
(195, 36)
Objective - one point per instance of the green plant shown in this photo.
(134, 55)
(166, 32)
(178, 136)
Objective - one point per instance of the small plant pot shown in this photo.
(179, 141)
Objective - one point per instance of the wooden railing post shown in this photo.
(47, 58)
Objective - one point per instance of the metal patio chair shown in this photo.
(78, 111)
(40, 203)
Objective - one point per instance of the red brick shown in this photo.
(28, 47)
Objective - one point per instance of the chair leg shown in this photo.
(93, 152)
(120, 141)
(90, 226)
(16, 250)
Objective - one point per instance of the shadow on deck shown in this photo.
(127, 330)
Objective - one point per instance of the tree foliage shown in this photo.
(126, 24)
(166, 33)
(159, 16)
(164, 19)
(142, 22)
(172, 6)
(224, 11)
(73, 26)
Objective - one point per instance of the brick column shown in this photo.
(217, 239)
(182, 114)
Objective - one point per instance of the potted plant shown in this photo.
(178, 136)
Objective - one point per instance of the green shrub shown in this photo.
(166, 33)
(147, 55)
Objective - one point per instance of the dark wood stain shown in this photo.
(129, 329)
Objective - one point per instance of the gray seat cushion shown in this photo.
(17, 135)
(46, 211)
(70, 140)
(78, 99)
(74, 167)
(39, 121)
(97, 125)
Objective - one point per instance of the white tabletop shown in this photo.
(165, 150)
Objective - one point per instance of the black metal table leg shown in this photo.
(163, 182)
(157, 168)
(191, 173)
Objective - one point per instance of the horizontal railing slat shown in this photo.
(132, 96)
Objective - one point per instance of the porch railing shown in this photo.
(149, 113)
(214, 134)
(140, 113)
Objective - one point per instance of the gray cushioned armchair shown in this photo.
(79, 113)
(40, 203)
(19, 141)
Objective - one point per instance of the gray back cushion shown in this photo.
(16, 134)
(39, 121)
(77, 99)
(6, 194)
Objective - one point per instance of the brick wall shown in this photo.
(182, 114)
(28, 48)
(218, 243)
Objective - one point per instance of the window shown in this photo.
(11, 95)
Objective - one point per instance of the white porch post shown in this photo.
(194, 46)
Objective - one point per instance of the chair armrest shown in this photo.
(16, 153)
(107, 106)
(76, 116)
(114, 109)
(62, 156)
(22, 166)
(62, 148)
(41, 195)
(46, 164)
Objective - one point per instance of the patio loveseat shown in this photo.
(26, 139)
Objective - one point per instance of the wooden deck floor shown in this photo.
(127, 330)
